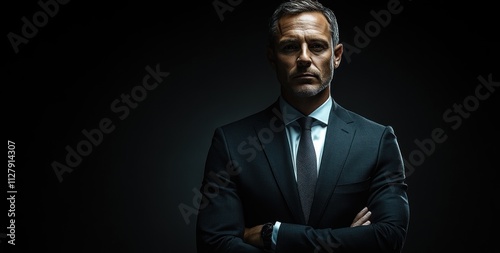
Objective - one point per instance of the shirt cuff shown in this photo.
(274, 236)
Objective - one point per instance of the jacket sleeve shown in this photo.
(388, 203)
(220, 224)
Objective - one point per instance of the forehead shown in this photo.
(306, 23)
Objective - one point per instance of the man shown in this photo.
(272, 183)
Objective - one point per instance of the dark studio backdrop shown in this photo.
(130, 156)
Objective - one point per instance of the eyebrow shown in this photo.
(285, 41)
(293, 40)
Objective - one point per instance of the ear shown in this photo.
(337, 53)
(271, 57)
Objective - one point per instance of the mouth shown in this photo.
(305, 75)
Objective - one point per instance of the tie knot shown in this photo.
(305, 123)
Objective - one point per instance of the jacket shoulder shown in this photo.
(361, 122)
(253, 120)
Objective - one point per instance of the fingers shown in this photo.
(362, 218)
(361, 213)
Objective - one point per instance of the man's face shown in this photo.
(303, 54)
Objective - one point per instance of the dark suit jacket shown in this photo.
(249, 180)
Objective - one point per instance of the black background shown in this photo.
(125, 195)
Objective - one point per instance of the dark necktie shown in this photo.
(306, 166)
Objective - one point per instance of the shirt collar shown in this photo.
(321, 114)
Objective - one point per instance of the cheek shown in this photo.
(285, 62)
(326, 65)
(284, 65)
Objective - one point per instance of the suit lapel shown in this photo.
(278, 155)
(338, 141)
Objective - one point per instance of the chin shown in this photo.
(305, 93)
(306, 90)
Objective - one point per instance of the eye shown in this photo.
(289, 48)
(317, 47)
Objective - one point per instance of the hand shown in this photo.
(362, 218)
(252, 236)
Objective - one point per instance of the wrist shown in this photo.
(266, 236)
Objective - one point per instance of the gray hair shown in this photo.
(294, 7)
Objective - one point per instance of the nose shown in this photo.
(304, 59)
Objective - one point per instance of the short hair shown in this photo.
(294, 7)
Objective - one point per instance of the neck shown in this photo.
(306, 105)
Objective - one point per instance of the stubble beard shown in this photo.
(304, 92)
